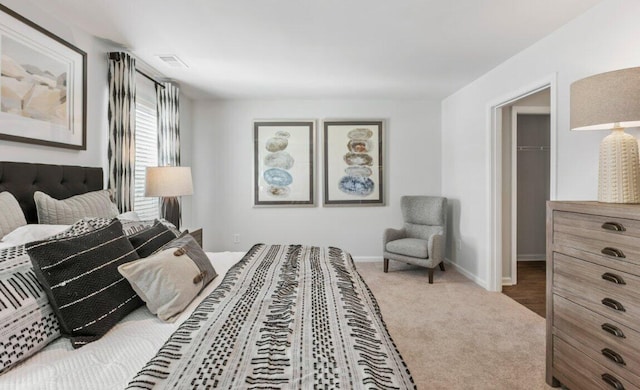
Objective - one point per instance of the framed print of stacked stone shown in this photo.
(283, 163)
(353, 163)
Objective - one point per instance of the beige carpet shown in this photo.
(453, 334)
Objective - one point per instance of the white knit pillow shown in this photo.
(170, 278)
(11, 215)
(67, 211)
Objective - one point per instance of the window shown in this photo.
(146, 138)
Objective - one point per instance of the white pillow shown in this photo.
(129, 216)
(171, 278)
(11, 215)
(96, 204)
(5, 245)
(32, 232)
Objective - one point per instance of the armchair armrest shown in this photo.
(393, 234)
(436, 248)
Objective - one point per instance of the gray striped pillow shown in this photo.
(11, 215)
(67, 211)
(80, 276)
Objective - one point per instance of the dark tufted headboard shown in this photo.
(59, 181)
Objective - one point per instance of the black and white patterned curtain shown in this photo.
(122, 123)
(168, 100)
(168, 124)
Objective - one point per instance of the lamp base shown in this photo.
(170, 210)
(619, 168)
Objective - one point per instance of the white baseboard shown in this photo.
(506, 281)
(366, 259)
(468, 274)
(532, 257)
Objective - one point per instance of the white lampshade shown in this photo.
(601, 101)
(168, 181)
(611, 101)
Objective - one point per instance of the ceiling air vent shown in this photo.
(172, 60)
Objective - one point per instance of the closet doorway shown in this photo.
(530, 185)
(526, 171)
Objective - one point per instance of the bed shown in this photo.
(277, 317)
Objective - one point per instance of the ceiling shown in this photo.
(321, 48)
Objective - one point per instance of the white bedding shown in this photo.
(112, 361)
(32, 232)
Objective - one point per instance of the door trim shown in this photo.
(515, 110)
(494, 165)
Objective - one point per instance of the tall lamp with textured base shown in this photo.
(611, 101)
(169, 183)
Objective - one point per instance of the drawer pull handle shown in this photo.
(612, 381)
(612, 252)
(608, 276)
(613, 355)
(615, 226)
(614, 330)
(612, 303)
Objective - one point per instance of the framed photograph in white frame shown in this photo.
(353, 163)
(43, 85)
(284, 169)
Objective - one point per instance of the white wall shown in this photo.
(186, 154)
(603, 39)
(223, 169)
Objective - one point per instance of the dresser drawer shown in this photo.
(586, 225)
(589, 329)
(613, 263)
(582, 282)
(606, 249)
(579, 372)
(585, 232)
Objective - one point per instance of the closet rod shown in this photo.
(533, 148)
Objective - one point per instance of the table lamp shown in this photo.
(611, 101)
(169, 183)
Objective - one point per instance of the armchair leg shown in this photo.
(442, 266)
(431, 275)
(386, 265)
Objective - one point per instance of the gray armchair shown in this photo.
(422, 240)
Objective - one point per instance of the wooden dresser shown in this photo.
(593, 295)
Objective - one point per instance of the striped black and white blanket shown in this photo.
(284, 317)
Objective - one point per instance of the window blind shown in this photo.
(146, 136)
